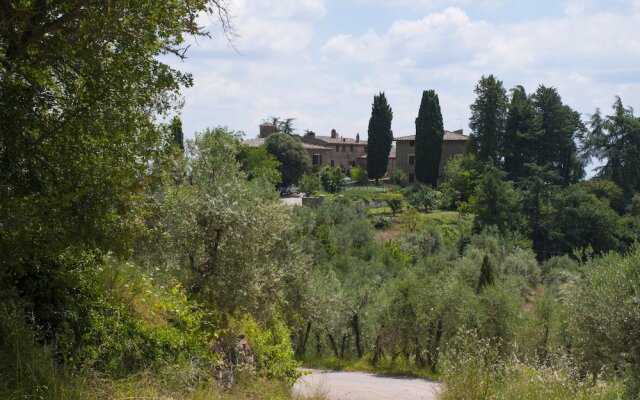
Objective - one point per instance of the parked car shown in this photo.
(287, 190)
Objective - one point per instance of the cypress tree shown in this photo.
(177, 136)
(429, 138)
(488, 117)
(380, 137)
(486, 274)
(518, 145)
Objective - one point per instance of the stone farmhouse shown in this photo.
(454, 143)
(335, 150)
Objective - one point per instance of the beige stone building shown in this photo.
(454, 143)
(319, 155)
(345, 152)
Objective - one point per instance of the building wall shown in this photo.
(324, 154)
(343, 154)
(404, 149)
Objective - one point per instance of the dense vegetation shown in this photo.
(134, 263)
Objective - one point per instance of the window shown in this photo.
(337, 148)
(412, 178)
(412, 159)
(351, 148)
(353, 163)
(333, 163)
(317, 159)
(412, 143)
(344, 147)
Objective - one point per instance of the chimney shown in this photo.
(344, 140)
(357, 138)
(334, 134)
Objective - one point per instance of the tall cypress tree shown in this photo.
(380, 137)
(429, 138)
(488, 117)
(177, 136)
(518, 147)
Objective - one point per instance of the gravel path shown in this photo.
(364, 386)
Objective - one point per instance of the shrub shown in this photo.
(310, 183)
(332, 179)
(381, 223)
(359, 175)
(424, 197)
(394, 200)
(397, 176)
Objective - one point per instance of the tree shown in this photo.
(257, 162)
(394, 201)
(310, 183)
(283, 125)
(289, 152)
(497, 203)
(177, 136)
(429, 138)
(359, 175)
(80, 86)
(615, 139)
(424, 196)
(397, 176)
(518, 146)
(332, 179)
(488, 117)
(486, 274)
(380, 137)
(557, 127)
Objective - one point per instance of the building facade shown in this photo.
(453, 143)
(344, 152)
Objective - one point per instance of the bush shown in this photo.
(397, 177)
(310, 183)
(359, 175)
(381, 223)
(424, 197)
(474, 370)
(332, 179)
(394, 200)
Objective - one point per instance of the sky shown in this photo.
(322, 61)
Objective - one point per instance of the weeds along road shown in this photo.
(363, 386)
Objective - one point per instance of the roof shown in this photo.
(448, 137)
(260, 141)
(341, 140)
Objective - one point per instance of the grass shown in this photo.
(386, 367)
(379, 211)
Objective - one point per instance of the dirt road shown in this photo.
(364, 386)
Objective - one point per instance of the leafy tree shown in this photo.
(310, 183)
(258, 162)
(394, 201)
(518, 145)
(425, 197)
(380, 137)
(397, 176)
(359, 175)
(497, 202)
(283, 125)
(557, 128)
(429, 138)
(292, 156)
(616, 139)
(332, 179)
(463, 173)
(488, 117)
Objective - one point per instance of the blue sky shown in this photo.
(322, 61)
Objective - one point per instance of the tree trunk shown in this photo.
(436, 347)
(356, 330)
(332, 342)
(377, 351)
(302, 346)
(318, 344)
(343, 346)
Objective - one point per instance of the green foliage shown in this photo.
(359, 175)
(424, 197)
(381, 223)
(607, 191)
(486, 273)
(397, 177)
(271, 345)
(429, 139)
(497, 203)
(474, 370)
(488, 118)
(518, 144)
(177, 136)
(332, 179)
(463, 173)
(257, 162)
(367, 194)
(380, 137)
(615, 139)
(605, 318)
(288, 150)
(422, 244)
(394, 201)
(310, 183)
